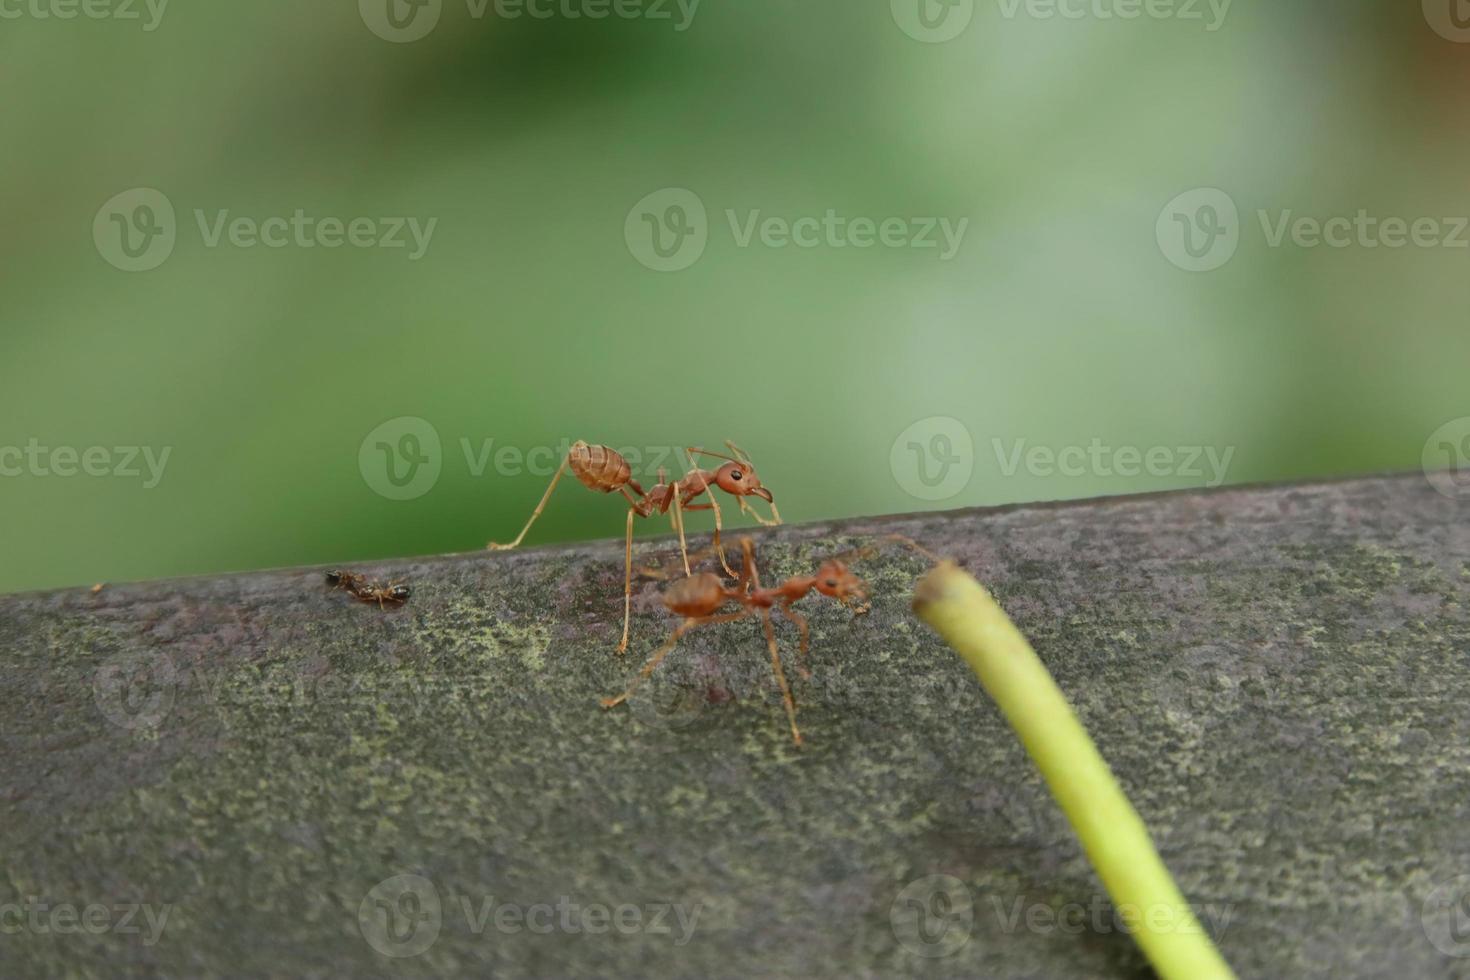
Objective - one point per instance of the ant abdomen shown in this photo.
(696, 595)
(599, 468)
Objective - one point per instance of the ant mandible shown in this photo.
(605, 470)
(699, 598)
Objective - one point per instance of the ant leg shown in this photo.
(666, 649)
(780, 674)
(911, 543)
(627, 582)
(750, 575)
(654, 572)
(746, 508)
(718, 546)
(493, 546)
(679, 526)
(805, 631)
(652, 665)
(714, 506)
(663, 574)
(649, 571)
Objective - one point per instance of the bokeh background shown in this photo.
(1064, 319)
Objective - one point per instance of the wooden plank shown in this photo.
(1280, 677)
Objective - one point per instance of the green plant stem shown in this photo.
(1114, 837)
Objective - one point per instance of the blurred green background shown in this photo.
(1063, 320)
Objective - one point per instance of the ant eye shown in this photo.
(831, 583)
(736, 475)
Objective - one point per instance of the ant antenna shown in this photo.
(696, 451)
(744, 456)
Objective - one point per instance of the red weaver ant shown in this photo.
(699, 598)
(604, 470)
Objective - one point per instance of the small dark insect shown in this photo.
(386, 595)
(347, 581)
(361, 589)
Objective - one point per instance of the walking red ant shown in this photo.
(699, 598)
(605, 470)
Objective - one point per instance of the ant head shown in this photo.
(739, 480)
(835, 580)
(400, 593)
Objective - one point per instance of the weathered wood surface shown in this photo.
(1280, 677)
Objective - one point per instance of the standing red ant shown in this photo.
(604, 470)
(361, 589)
(699, 598)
